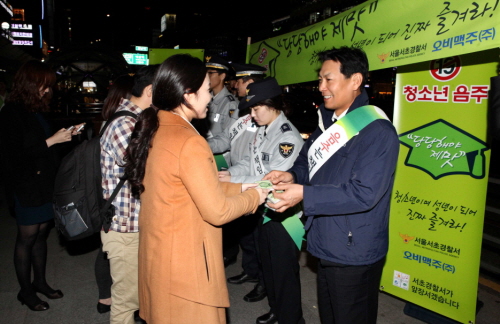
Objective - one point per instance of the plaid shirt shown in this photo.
(114, 144)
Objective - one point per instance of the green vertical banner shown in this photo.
(439, 196)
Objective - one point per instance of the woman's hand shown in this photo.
(60, 136)
(75, 130)
(262, 192)
(263, 195)
(224, 176)
(246, 186)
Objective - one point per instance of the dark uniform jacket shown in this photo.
(347, 200)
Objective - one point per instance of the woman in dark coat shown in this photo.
(30, 166)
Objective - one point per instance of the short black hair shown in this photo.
(143, 78)
(254, 77)
(219, 72)
(352, 60)
(279, 103)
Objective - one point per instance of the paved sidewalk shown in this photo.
(70, 268)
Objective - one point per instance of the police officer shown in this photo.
(275, 145)
(243, 230)
(238, 135)
(246, 74)
(223, 109)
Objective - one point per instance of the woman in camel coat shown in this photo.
(181, 271)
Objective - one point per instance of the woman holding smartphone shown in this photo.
(30, 163)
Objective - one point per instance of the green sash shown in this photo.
(337, 135)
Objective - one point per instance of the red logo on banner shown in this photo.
(445, 69)
(263, 55)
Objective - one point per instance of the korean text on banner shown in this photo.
(438, 202)
(391, 32)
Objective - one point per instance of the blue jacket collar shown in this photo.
(327, 114)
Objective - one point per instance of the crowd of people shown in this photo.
(196, 193)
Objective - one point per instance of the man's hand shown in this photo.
(278, 177)
(292, 195)
(224, 176)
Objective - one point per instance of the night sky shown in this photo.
(130, 22)
(221, 14)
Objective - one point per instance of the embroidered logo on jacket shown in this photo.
(286, 149)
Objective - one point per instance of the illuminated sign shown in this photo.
(25, 34)
(22, 34)
(89, 84)
(136, 59)
(142, 48)
(5, 32)
(168, 21)
(22, 42)
(22, 26)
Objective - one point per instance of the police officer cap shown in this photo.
(243, 70)
(260, 90)
(216, 63)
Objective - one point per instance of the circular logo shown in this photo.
(445, 69)
(263, 55)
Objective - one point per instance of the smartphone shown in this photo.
(69, 129)
(80, 128)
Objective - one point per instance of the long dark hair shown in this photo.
(178, 75)
(121, 88)
(29, 79)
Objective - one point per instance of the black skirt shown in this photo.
(33, 215)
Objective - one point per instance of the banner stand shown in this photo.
(494, 108)
(428, 256)
(429, 316)
(426, 315)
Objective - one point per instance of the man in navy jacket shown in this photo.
(346, 200)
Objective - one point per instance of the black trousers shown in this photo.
(103, 274)
(245, 232)
(348, 294)
(280, 267)
(250, 257)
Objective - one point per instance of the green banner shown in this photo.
(294, 227)
(391, 32)
(439, 197)
(158, 55)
